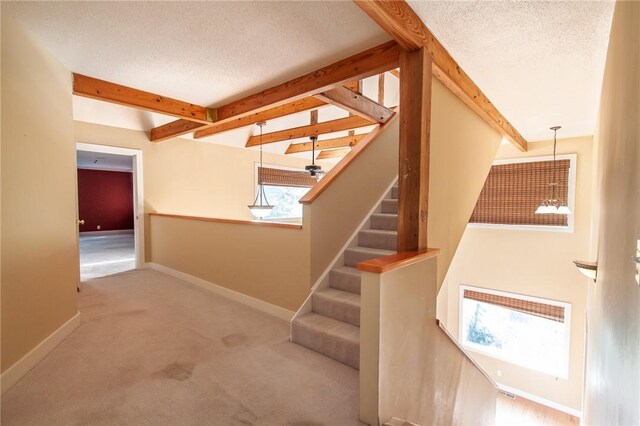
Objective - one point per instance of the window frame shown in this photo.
(255, 188)
(475, 348)
(571, 196)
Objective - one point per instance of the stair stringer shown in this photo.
(352, 241)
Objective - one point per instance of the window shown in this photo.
(515, 188)
(523, 330)
(283, 188)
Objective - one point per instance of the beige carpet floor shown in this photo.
(153, 350)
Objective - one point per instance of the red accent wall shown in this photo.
(105, 198)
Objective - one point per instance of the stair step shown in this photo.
(335, 339)
(345, 278)
(355, 255)
(390, 206)
(384, 221)
(337, 304)
(394, 192)
(376, 238)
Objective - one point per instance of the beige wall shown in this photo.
(335, 214)
(612, 391)
(188, 177)
(39, 248)
(533, 263)
(422, 377)
(268, 263)
(463, 147)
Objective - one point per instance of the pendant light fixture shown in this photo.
(260, 207)
(313, 169)
(553, 204)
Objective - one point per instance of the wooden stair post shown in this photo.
(413, 170)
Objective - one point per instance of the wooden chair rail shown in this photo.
(339, 168)
(232, 221)
(395, 261)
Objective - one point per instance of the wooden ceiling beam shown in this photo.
(101, 90)
(407, 29)
(348, 72)
(345, 141)
(361, 65)
(338, 125)
(333, 153)
(300, 105)
(356, 104)
(174, 129)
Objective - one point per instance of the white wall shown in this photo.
(612, 392)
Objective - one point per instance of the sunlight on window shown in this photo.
(284, 200)
(525, 339)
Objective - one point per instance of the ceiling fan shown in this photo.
(313, 169)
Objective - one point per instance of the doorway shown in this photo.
(110, 206)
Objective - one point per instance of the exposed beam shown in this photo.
(348, 72)
(345, 141)
(381, 89)
(361, 65)
(356, 104)
(174, 129)
(333, 153)
(338, 125)
(313, 116)
(269, 114)
(405, 26)
(94, 88)
(395, 73)
(413, 170)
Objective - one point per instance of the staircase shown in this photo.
(332, 328)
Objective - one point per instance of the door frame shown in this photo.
(138, 192)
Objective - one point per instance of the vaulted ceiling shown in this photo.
(541, 63)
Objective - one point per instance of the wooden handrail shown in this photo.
(337, 170)
(466, 353)
(395, 261)
(232, 221)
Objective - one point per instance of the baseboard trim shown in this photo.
(261, 305)
(18, 370)
(112, 232)
(540, 400)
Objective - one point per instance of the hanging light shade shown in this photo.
(553, 204)
(260, 207)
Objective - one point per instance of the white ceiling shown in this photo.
(103, 161)
(541, 63)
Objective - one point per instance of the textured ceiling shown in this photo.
(541, 63)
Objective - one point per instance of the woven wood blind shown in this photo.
(279, 177)
(552, 312)
(512, 192)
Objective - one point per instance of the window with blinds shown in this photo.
(523, 330)
(514, 190)
(281, 177)
(283, 189)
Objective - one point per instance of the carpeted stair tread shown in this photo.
(337, 304)
(355, 255)
(345, 278)
(378, 238)
(394, 192)
(390, 206)
(335, 339)
(385, 221)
